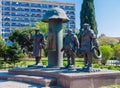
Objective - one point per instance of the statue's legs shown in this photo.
(71, 60)
(38, 61)
(85, 59)
(88, 61)
(68, 61)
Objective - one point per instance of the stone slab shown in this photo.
(73, 78)
(44, 81)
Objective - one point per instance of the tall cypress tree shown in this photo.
(87, 14)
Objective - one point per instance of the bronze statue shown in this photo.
(38, 44)
(87, 42)
(70, 46)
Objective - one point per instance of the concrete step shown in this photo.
(44, 81)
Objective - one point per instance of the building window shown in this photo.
(5, 34)
(6, 30)
(5, 3)
(44, 6)
(6, 24)
(6, 19)
(6, 13)
(35, 5)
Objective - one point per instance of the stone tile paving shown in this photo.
(15, 84)
(18, 84)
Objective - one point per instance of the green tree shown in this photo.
(2, 42)
(87, 14)
(3, 49)
(107, 53)
(22, 37)
(117, 51)
(14, 53)
(43, 27)
(104, 40)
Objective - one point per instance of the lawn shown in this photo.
(29, 61)
(111, 86)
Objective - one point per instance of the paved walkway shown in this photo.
(18, 84)
(15, 84)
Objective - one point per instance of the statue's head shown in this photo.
(86, 26)
(36, 30)
(69, 31)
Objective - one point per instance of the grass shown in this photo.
(111, 86)
(29, 61)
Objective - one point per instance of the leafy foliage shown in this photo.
(3, 49)
(22, 37)
(104, 40)
(107, 53)
(87, 14)
(14, 53)
(117, 51)
(43, 27)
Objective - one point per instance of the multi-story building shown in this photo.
(24, 13)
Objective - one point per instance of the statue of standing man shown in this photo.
(88, 40)
(38, 44)
(70, 47)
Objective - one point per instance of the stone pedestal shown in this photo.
(74, 79)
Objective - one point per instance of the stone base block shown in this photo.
(73, 78)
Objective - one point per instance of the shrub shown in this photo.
(107, 53)
(111, 67)
(117, 51)
(96, 66)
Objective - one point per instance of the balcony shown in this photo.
(25, 10)
(35, 10)
(72, 18)
(6, 14)
(24, 4)
(6, 24)
(16, 9)
(6, 3)
(32, 20)
(6, 30)
(6, 8)
(6, 19)
(15, 4)
(36, 15)
(5, 34)
(69, 8)
(35, 5)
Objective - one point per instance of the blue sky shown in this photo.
(107, 14)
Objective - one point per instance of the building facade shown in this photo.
(24, 13)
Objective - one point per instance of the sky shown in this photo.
(107, 13)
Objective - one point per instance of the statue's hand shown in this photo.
(62, 49)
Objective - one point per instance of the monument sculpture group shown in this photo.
(70, 45)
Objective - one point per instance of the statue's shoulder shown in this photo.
(91, 31)
(41, 35)
(74, 35)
